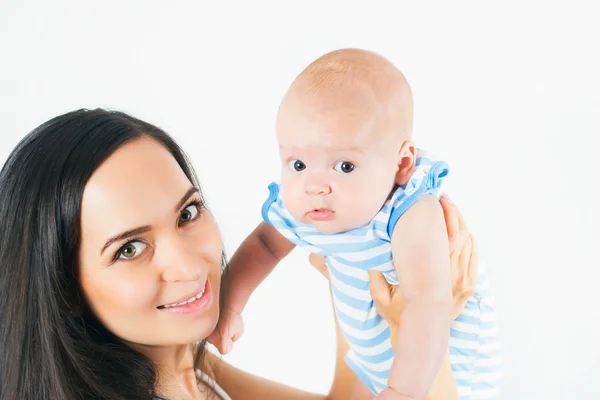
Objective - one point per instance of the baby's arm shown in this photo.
(253, 261)
(420, 253)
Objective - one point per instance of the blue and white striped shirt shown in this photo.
(350, 255)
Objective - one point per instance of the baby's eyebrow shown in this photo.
(332, 148)
(353, 148)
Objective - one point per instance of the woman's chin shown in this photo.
(177, 333)
(193, 332)
(191, 324)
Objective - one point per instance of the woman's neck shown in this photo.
(175, 371)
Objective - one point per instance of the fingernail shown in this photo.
(447, 198)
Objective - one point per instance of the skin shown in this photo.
(344, 130)
(323, 123)
(180, 252)
(361, 121)
(390, 304)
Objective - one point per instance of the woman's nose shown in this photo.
(178, 261)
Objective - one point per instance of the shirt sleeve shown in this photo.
(427, 179)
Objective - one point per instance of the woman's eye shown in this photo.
(131, 250)
(344, 166)
(297, 165)
(189, 213)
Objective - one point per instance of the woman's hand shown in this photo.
(318, 262)
(463, 263)
(463, 256)
(390, 304)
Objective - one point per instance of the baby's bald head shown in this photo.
(360, 86)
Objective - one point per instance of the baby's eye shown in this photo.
(297, 165)
(344, 166)
(189, 213)
(131, 250)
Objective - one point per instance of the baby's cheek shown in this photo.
(364, 202)
(291, 199)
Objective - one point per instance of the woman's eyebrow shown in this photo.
(191, 191)
(143, 229)
(125, 235)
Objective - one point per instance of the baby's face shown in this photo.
(338, 167)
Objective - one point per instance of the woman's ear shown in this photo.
(406, 162)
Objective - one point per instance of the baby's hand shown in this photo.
(228, 330)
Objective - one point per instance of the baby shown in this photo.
(355, 189)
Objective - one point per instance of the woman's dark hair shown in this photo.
(48, 349)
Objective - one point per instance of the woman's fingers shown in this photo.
(463, 260)
(380, 288)
(463, 255)
(456, 243)
(455, 224)
(473, 264)
(461, 288)
(464, 285)
(450, 216)
(318, 262)
(387, 298)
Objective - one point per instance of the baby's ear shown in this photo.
(406, 162)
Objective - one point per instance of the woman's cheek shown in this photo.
(122, 292)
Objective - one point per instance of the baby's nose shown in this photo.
(318, 188)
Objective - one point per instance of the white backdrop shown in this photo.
(508, 92)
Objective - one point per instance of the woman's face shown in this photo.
(150, 253)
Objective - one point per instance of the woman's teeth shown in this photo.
(191, 299)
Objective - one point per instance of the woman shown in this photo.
(111, 267)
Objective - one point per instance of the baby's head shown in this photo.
(344, 129)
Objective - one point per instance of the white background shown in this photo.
(508, 92)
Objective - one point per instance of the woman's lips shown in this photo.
(196, 304)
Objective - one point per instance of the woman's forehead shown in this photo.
(137, 185)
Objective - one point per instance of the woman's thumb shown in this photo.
(379, 287)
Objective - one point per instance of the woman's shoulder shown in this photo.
(208, 381)
(207, 375)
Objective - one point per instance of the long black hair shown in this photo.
(48, 349)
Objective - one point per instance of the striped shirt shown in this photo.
(351, 254)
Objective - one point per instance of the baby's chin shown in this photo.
(332, 227)
(328, 230)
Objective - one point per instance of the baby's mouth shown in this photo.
(320, 214)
